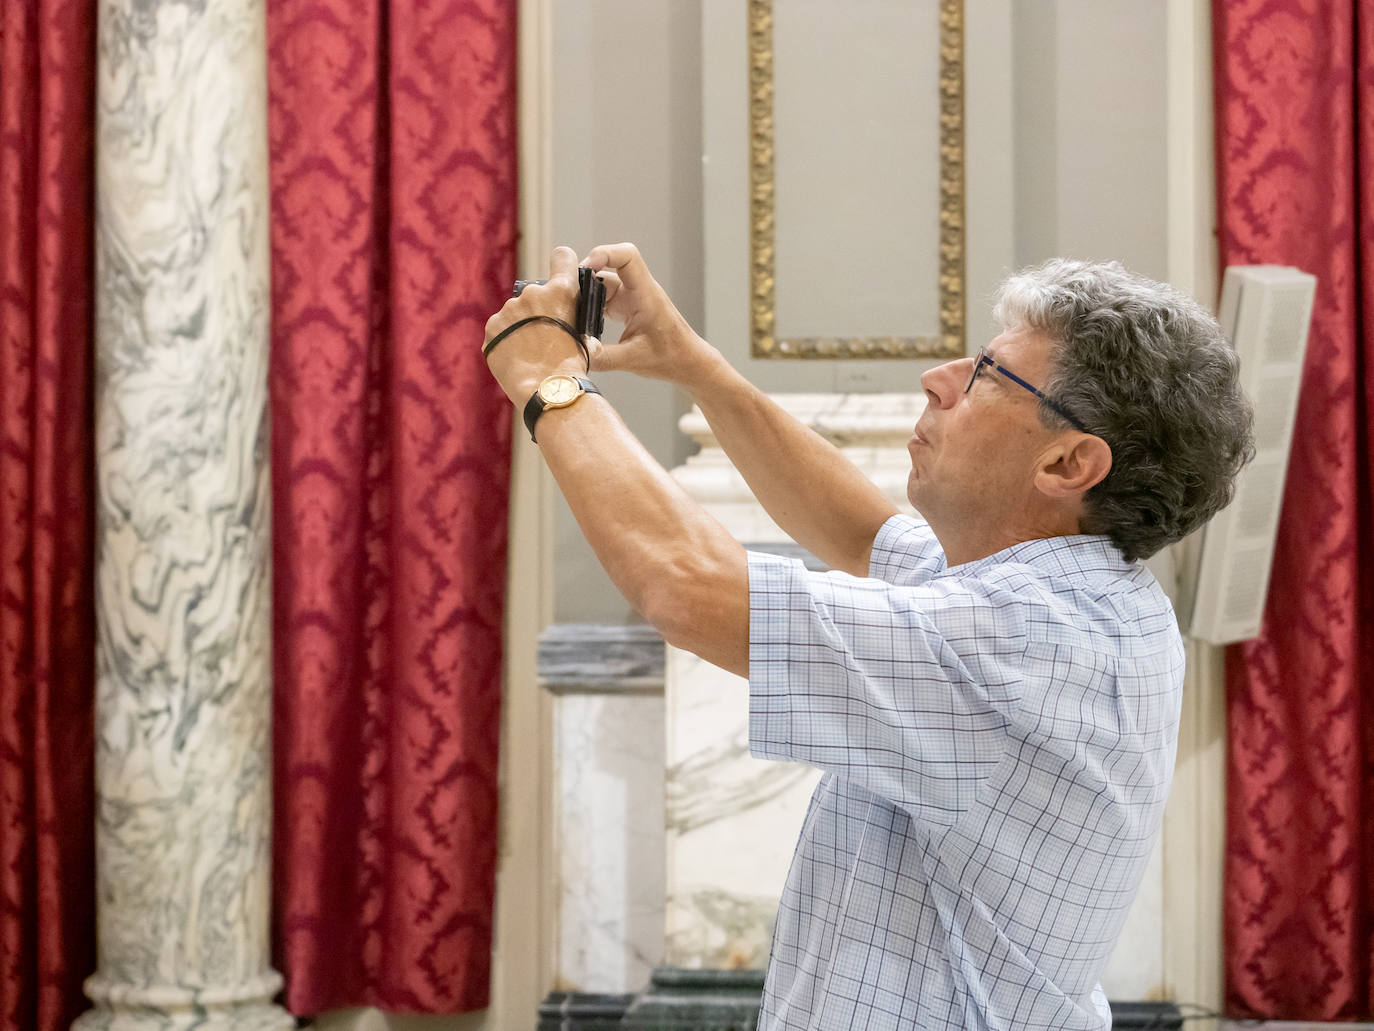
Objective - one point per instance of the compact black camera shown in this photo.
(591, 301)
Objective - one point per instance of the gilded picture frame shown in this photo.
(949, 341)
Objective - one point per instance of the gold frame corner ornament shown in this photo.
(950, 343)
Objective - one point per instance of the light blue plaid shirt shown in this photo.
(997, 740)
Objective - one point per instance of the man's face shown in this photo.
(973, 455)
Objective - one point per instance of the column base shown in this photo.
(239, 1018)
(243, 1007)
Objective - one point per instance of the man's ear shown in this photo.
(1073, 466)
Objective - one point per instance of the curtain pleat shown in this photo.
(393, 171)
(47, 642)
(1295, 104)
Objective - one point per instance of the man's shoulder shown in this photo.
(1079, 591)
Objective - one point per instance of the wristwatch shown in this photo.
(557, 391)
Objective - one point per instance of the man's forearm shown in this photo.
(816, 495)
(670, 558)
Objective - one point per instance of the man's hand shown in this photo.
(809, 488)
(523, 359)
(657, 342)
(672, 560)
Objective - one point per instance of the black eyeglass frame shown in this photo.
(982, 358)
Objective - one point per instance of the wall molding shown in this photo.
(1195, 820)
(525, 913)
(950, 340)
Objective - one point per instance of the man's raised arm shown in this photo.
(815, 494)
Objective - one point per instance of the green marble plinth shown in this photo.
(582, 1011)
(1146, 1016)
(728, 1000)
(697, 1000)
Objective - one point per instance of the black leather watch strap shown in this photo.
(535, 406)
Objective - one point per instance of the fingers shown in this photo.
(623, 259)
(563, 265)
(610, 358)
(612, 284)
(595, 348)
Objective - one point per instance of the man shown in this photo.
(993, 689)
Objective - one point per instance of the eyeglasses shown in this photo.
(983, 358)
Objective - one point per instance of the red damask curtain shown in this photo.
(47, 635)
(1295, 168)
(393, 171)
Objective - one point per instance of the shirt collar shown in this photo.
(1076, 555)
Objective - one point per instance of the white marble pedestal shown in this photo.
(732, 821)
(608, 803)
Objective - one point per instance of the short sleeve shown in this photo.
(905, 551)
(908, 691)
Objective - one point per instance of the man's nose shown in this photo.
(944, 383)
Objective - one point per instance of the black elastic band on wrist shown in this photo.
(581, 344)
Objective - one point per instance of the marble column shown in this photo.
(183, 705)
(732, 821)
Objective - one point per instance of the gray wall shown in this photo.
(1065, 112)
(1089, 135)
(627, 166)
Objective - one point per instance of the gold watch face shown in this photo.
(557, 391)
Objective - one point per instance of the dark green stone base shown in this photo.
(697, 1000)
(728, 1000)
(1146, 1016)
(583, 1011)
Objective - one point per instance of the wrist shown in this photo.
(527, 381)
(531, 353)
(705, 373)
(556, 392)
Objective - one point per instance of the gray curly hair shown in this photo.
(1148, 370)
